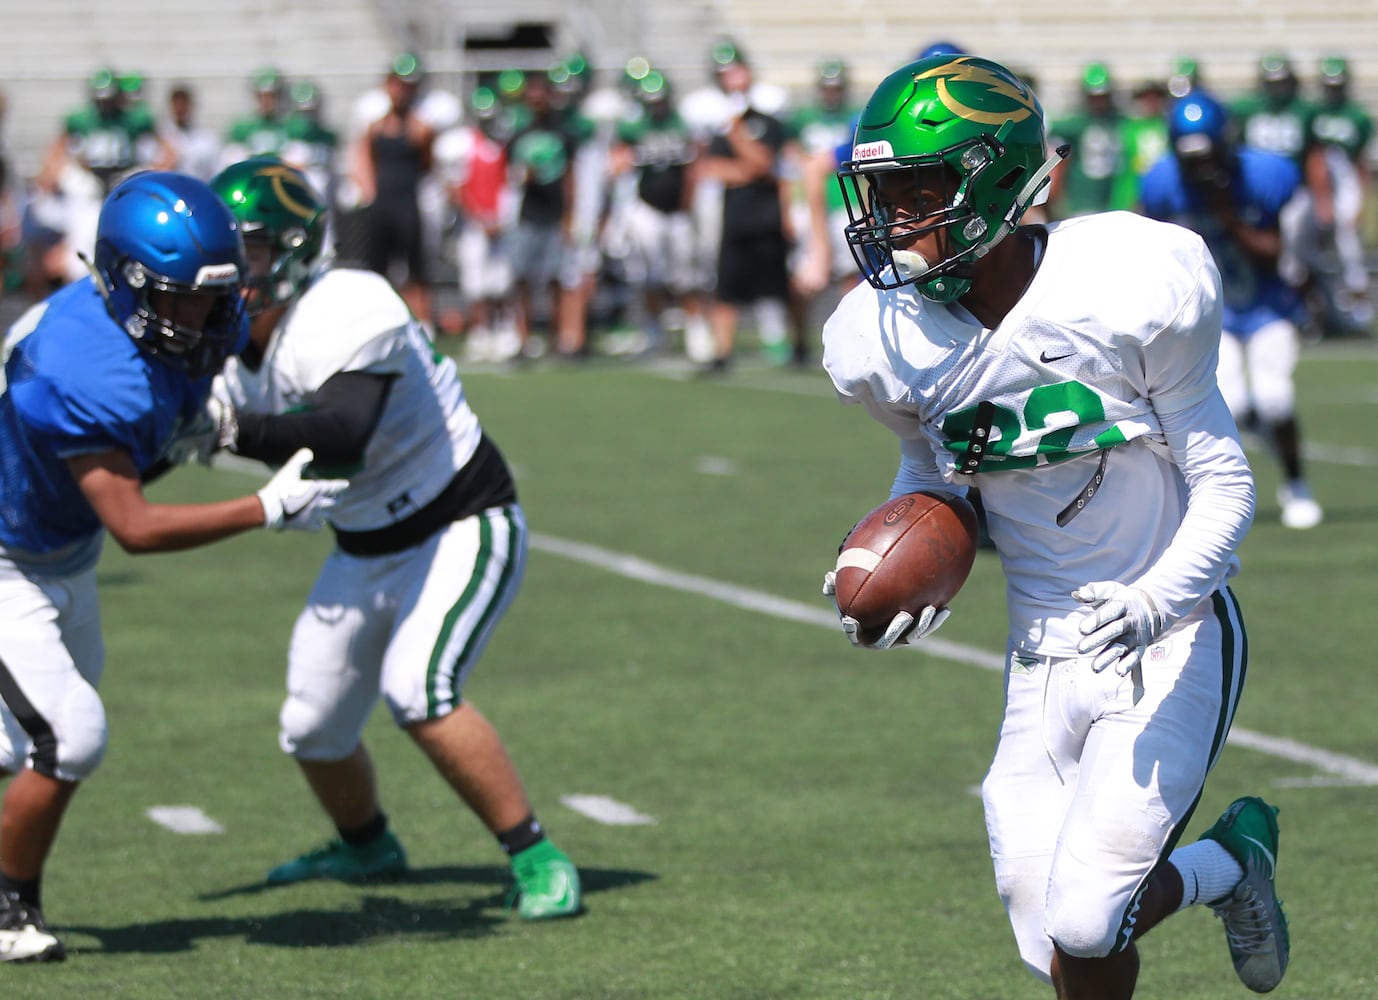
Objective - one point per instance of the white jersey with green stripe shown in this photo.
(1089, 419)
(352, 320)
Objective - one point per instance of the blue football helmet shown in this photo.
(170, 262)
(942, 47)
(1201, 135)
(1198, 123)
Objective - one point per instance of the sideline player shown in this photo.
(100, 380)
(392, 158)
(431, 542)
(653, 158)
(1344, 131)
(1076, 389)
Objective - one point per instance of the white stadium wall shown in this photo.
(344, 45)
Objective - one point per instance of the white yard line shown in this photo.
(183, 819)
(1336, 454)
(1341, 769)
(606, 810)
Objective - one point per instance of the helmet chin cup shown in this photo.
(944, 288)
(941, 288)
(909, 265)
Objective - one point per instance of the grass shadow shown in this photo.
(593, 880)
(378, 916)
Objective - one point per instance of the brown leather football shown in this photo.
(908, 553)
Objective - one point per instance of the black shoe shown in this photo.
(24, 937)
(714, 368)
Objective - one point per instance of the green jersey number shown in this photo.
(1028, 432)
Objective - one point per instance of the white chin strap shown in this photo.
(99, 278)
(1040, 175)
(1028, 196)
(909, 265)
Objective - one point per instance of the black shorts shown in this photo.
(753, 267)
(394, 232)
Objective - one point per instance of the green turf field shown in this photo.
(812, 828)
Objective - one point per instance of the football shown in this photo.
(908, 553)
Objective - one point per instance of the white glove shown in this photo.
(213, 430)
(289, 501)
(1120, 623)
(902, 630)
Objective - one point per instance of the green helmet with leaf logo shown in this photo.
(976, 119)
(277, 205)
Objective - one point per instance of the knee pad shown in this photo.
(1274, 399)
(1271, 359)
(1084, 926)
(79, 737)
(307, 734)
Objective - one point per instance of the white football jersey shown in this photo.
(1057, 417)
(352, 320)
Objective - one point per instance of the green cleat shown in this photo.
(382, 859)
(547, 883)
(1255, 926)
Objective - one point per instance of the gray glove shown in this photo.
(903, 629)
(212, 431)
(1120, 623)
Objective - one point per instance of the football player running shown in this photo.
(1236, 197)
(100, 380)
(431, 542)
(1067, 371)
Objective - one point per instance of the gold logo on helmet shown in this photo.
(962, 71)
(282, 176)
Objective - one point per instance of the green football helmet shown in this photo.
(1184, 77)
(985, 126)
(104, 85)
(1334, 80)
(277, 205)
(1095, 79)
(1278, 79)
(1334, 71)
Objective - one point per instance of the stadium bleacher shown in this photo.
(344, 45)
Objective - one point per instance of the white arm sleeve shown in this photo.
(1220, 507)
(1201, 434)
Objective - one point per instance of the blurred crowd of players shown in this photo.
(552, 213)
(1321, 128)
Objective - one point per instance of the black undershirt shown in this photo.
(336, 427)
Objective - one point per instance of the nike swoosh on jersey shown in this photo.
(1043, 356)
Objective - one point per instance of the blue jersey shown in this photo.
(76, 384)
(1254, 294)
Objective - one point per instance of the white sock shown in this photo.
(1209, 872)
(771, 321)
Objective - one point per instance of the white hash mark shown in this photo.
(183, 819)
(606, 810)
